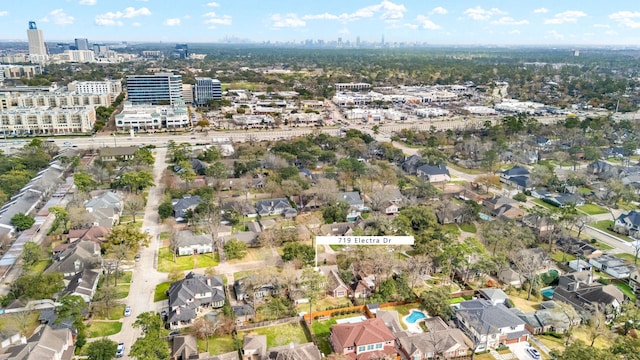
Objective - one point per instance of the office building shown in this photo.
(100, 49)
(157, 89)
(37, 49)
(181, 51)
(207, 89)
(149, 117)
(187, 93)
(82, 44)
(42, 120)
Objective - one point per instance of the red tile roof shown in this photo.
(370, 331)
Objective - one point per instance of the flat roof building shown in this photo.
(156, 89)
(150, 117)
(207, 89)
(45, 120)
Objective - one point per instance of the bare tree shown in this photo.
(572, 315)
(203, 329)
(416, 267)
(597, 326)
(528, 263)
(133, 205)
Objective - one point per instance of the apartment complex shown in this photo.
(150, 117)
(44, 120)
(156, 89)
(207, 89)
(113, 88)
(61, 100)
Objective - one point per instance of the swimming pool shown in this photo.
(485, 217)
(547, 293)
(415, 316)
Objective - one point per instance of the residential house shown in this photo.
(184, 347)
(410, 165)
(117, 153)
(83, 284)
(612, 265)
(542, 142)
(182, 206)
(628, 224)
(226, 356)
(577, 247)
(541, 225)
(497, 202)
(363, 340)
(279, 206)
(337, 229)
(490, 325)
(579, 265)
(335, 287)
(76, 258)
(449, 213)
(495, 296)
(391, 320)
(97, 234)
(259, 291)
(510, 277)
(434, 173)
(188, 243)
(105, 208)
(564, 200)
(254, 347)
(548, 319)
(517, 177)
(11, 337)
(391, 208)
(307, 351)
(45, 344)
(248, 237)
(443, 342)
(585, 295)
(243, 207)
(634, 281)
(601, 169)
(243, 313)
(198, 166)
(188, 296)
(353, 199)
(508, 212)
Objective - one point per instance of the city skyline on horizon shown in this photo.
(544, 23)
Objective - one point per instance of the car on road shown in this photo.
(137, 257)
(67, 143)
(533, 353)
(127, 311)
(120, 350)
(147, 230)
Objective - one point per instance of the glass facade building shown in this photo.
(157, 89)
(207, 89)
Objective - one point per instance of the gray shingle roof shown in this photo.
(482, 312)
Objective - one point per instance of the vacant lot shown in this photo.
(279, 335)
(165, 261)
(98, 329)
(592, 209)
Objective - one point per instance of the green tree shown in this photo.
(133, 205)
(31, 253)
(335, 213)
(302, 252)
(435, 302)
(143, 156)
(151, 346)
(61, 218)
(74, 307)
(165, 210)
(127, 235)
(580, 351)
(36, 286)
(103, 349)
(22, 221)
(235, 249)
(84, 181)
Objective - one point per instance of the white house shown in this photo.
(187, 243)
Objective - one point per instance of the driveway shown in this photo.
(520, 352)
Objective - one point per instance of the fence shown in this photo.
(267, 323)
(351, 309)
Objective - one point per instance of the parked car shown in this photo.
(127, 311)
(120, 350)
(137, 257)
(534, 353)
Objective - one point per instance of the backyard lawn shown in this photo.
(115, 313)
(98, 329)
(165, 261)
(544, 204)
(626, 289)
(592, 209)
(217, 344)
(327, 302)
(279, 335)
(161, 291)
(254, 254)
(562, 257)
(470, 228)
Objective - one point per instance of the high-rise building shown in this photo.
(37, 49)
(207, 89)
(82, 44)
(161, 88)
(181, 51)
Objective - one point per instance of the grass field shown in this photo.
(279, 335)
(626, 289)
(160, 293)
(165, 261)
(324, 304)
(254, 254)
(558, 257)
(592, 209)
(604, 225)
(115, 313)
(98, 329)
(217, 344)
(470, 228)
(544, 204)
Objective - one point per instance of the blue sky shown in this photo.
(481, 22)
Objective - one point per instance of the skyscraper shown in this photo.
(37, 49)
(158, 89)
(207, 89)
(82, 44)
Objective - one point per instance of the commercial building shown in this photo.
(60, 100)
(78, 56)
(352, 86)
(37, 49)
(43, 120)
(207, 89)
(187, 93)
(113, 88)
(149, 117)
(82, 44)
(157, 89)
(20, 71)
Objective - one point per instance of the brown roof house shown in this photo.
(116, 153)
(369, 339)
(335, 286)
(444, 342)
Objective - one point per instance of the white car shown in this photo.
(120, 350)
(127, 311)
(534, 353)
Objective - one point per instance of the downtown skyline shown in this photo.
(411, 21)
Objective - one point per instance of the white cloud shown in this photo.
(478, 13)
(602, 26)
(386, 9)
(87, 2)
(344, 31)
(426, 23)
(505, 20)
(213, 20)
(541, 11)
(4, 13)
(611, 32)
(213, 4)
(136, 24)
(287, 21)
(172, 22)
(570, 16)
(58, 17)
(439, 11)
(630, 19)
(514, 32)
(113, 18)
